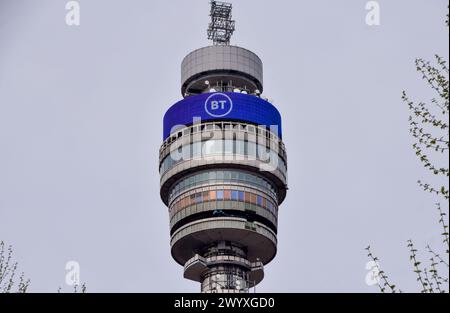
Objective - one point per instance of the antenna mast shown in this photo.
(222, 26)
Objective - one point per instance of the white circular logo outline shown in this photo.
(221, 115)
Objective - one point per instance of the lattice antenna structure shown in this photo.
(222, 25)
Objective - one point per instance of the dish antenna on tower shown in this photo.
(222, 26)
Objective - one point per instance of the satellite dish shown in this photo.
(212, 90)
(257, 92)
(207, 82)
(244, 92)
(236, 90)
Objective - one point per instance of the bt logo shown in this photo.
(218, 105)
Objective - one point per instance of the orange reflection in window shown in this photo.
(247, 197)
(253, 198)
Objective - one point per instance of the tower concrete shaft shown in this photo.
(223, 170)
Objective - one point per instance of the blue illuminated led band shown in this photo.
(228, 106)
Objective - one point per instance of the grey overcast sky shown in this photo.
(81, 113)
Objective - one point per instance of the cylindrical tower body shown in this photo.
(223, 170)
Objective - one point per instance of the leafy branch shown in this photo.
(429, 127)
(8, 272)
(384, 284)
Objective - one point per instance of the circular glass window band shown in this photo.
(223, 148)
(208, 131)
(219, 209)
(235, 127)
(223, 195)
(225, 186)
(240, 190)
(215, 177)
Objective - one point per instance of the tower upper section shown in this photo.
(223, 69)
(223, 165)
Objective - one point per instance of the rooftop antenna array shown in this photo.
(222, 25)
